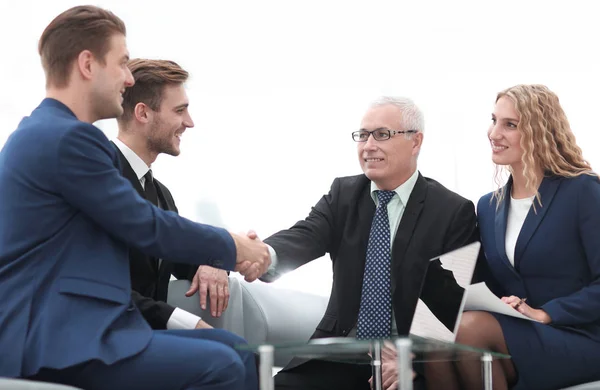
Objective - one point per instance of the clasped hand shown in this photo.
(389, 367)
(253, 257)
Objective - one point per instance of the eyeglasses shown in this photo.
(378, 134)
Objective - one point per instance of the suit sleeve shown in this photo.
(88, 179)
(483, 273)
(441, 293)
(306, 240)
(583, 306)
(463, 228)
(156, 313)
(445, 296)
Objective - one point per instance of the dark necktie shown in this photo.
(150, 188)
(152, 196)
(375, 314)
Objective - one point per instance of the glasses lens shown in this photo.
(381, 135)
(360, 136)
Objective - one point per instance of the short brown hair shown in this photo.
(77, 29)
(151, 77)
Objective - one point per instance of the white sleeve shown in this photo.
(181, 319)
(273, 259)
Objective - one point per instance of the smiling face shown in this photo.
(391, 162)
(169, 122)
(504, 136)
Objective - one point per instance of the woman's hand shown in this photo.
(519, 305)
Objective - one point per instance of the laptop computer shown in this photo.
(443, 294)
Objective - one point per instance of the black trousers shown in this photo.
(326, 375)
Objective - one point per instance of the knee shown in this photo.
(227, 366)
(227, 337)
(473, 328)
(237, 340)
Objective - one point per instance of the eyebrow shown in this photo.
(506, 119)
(184, 105)
(379, 128)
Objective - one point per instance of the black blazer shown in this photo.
(435, 221)
(150, 286)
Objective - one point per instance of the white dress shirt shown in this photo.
(517, 212)
(395, 209)
(180, 319)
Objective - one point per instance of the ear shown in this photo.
(84, 64)
(142, 113)
(417, 140)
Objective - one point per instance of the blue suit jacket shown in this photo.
(557, 255)
(67, 218)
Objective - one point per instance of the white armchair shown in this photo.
(259, 312)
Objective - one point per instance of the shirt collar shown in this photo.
(403, 191)
(137, 164)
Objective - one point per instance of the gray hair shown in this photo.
(411, 116)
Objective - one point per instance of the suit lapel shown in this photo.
(128, 172)
(547, 191)
(366, 212)
(165, 202)
(165, 205)
(409, 219)
(500, 222)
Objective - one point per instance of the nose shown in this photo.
(494, 132)
(187, 121)
(370, 143)
(129, 80)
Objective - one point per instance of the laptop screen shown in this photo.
(443, 294)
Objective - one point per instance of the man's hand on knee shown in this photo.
(203, 325)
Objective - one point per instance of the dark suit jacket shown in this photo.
(557, 254)
(435, 221)
(150, 285)
(67, 219)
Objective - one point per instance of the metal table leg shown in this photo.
(266, 367)
(486, 363)
(405, 372)
(376, 363)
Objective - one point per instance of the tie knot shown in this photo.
(148, 176)
(385, 196)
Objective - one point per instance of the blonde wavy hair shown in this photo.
(546, 137)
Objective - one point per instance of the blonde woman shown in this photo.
(541, 237)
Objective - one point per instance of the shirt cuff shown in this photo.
(273, 255)
(181, 319)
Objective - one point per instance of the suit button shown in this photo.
(131, 307)
(344, 332)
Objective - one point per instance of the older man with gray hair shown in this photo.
(380, 229)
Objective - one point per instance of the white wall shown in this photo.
(278, 86)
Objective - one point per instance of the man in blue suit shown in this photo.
(67, 219)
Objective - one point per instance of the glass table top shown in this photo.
(352, 350)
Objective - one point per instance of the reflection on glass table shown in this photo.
(434, 326)
(350, 350)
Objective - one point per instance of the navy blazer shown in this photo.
(557, 254)
(67, 217)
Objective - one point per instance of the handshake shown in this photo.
(253, 258)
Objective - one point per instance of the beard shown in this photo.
(160, 141)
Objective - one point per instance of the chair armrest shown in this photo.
(259, 312)
(22, 384)
(231, 319)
